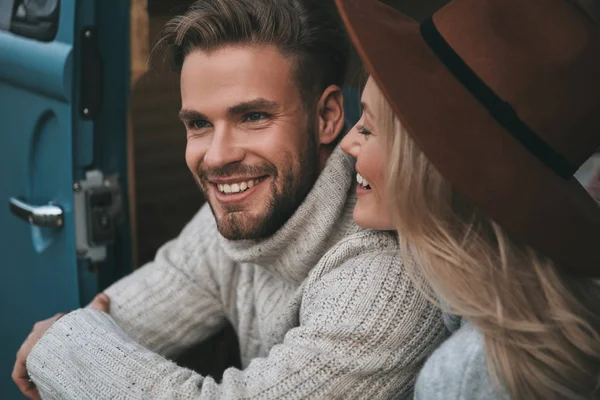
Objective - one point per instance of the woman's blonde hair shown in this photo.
(541, 327)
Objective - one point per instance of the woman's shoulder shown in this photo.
(457, 370)
(369, 240)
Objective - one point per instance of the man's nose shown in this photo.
(224, 149)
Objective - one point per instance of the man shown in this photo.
(322, 308)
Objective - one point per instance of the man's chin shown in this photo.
(239, 225)
(254, 220)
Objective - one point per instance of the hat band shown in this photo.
(501, 110)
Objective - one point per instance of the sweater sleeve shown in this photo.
(364, 332)
(173, 302)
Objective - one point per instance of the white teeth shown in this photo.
(361, 181)
(359, 178)
(237, 187)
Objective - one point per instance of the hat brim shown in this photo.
(466, 144)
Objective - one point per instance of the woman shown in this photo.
(469, 149)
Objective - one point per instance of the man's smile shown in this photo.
(236, 185)
(236, 190)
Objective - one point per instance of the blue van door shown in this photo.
(59, 208)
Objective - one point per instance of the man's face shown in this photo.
(251, 144)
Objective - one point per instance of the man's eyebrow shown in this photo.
(259, 104)
(253, 105)
(190, 115)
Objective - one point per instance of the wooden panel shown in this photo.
(166, 195)
(168, 7)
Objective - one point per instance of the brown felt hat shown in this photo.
(503, 97)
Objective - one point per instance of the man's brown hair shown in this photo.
(309, 32)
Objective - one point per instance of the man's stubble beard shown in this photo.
(289, 188)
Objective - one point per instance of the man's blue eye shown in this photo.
(200, 124)
(254, 117)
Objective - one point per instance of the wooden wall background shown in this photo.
(166, 194)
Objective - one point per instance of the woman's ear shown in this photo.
(330, 116)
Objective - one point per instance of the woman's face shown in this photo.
(367, 145)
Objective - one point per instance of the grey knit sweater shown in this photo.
(323, 309)
(458, 370)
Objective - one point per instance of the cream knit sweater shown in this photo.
(323, 310)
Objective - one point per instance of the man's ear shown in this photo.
(330, 116)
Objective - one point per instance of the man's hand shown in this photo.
(101, 303)
(19, 374)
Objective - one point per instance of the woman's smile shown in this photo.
(365, 144)
(363, 185)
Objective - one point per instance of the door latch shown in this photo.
(98, 210)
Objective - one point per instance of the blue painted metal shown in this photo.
(37, 66)
(45, 146)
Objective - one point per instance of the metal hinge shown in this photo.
(91, 74)
(98, 210)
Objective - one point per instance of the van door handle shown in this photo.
(45, 216)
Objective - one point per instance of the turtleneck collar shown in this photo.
(297, 246)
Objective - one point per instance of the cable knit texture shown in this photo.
(323, 309)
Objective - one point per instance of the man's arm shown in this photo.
(364, 333)
(173, 302)
(168, 305)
